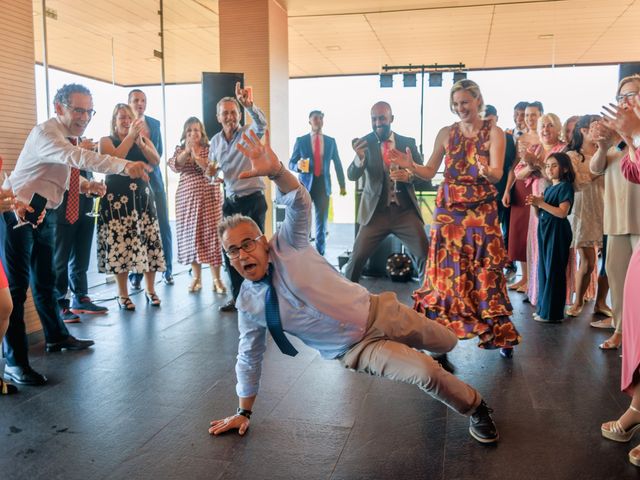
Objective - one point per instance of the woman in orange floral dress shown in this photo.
(464, 285)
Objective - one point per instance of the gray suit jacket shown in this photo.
(374, 176)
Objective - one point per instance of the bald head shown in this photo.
(381, 119)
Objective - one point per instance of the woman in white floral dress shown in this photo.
(128, 231)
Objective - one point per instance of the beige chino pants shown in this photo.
(619, 251)
(391, 348)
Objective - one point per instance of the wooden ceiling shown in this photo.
(115, 40)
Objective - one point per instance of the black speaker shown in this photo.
(214, 87)
(627, 69)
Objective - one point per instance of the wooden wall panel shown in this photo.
(17, 94)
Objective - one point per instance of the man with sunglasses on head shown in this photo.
(288, 286)
(49, 165)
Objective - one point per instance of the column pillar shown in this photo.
(254, 41)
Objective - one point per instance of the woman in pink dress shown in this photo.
(198, 206)
(530, 170)
(627, 124)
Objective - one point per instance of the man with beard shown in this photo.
(389, 204)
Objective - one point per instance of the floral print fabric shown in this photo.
(128, 230)
(464, 285)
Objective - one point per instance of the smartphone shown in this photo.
(38, 203)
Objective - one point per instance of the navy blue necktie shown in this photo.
(272, 314)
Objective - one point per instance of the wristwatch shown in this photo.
(244, 412)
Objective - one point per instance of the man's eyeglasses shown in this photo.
(626, 96)
(81, 111)
(247, 246)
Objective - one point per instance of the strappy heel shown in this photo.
(153, 299)
(196, 285)
(634, 456)
(218, 286)
(7, 388)
(125, 303)
(614, 431)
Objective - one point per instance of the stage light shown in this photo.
(435, 79)
(409, 79)
(457, 76)
(386, 80)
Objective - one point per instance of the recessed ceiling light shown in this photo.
(546, 36)
(333, 48)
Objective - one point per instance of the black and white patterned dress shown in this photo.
(128, 230)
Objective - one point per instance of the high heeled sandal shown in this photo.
(7, 388)
(125, 303)
(153, 299)
(218, 286)
(607, 345)
(574, 311)
(616, 433)
(196, 285)
(522, 289)
(606, 311)
(634, 456)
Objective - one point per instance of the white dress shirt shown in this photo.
(45, 162)
(317, 304)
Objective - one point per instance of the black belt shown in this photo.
(244, 198)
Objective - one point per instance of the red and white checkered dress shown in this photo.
(198, 212)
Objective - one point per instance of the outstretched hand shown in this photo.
(402, 159)
(264, 161)
(216, 427)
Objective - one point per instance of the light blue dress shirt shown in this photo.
(232, 161)
(317, 304)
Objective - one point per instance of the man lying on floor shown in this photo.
(368, 333)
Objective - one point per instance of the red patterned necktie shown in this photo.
(73, 197)
(317, 156)
(385, 152)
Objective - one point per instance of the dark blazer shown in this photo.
(509, 158)
(157, 185)
(374, 176)
(303, 149)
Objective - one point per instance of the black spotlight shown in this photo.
(386, 80)
(457, 76)
(409, 79)
(435, 79)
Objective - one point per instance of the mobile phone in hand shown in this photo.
(38, 203)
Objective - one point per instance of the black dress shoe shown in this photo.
(69, 343)
(506, 352)
(168, 279)
(481, 425)
(230, 306)
(24, 375)
(135, 283)
(444, 362)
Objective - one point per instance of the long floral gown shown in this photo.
(464, 285)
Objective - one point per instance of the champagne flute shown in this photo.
(394, 167)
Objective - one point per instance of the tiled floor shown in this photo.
(138, 404)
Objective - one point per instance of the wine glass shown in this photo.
(95, 210)
(394, 167)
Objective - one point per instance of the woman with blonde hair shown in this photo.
(128, 230)
(198, 206)
(464, 287)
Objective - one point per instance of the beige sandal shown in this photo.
(614, 431)
(634, 456)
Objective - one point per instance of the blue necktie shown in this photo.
(272, 314)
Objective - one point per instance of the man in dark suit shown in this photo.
(138, 103)
(311, 158)
(72, 254)
(389, 204)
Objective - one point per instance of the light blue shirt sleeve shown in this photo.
(251, 348)
(295, 228)
(259, 123)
